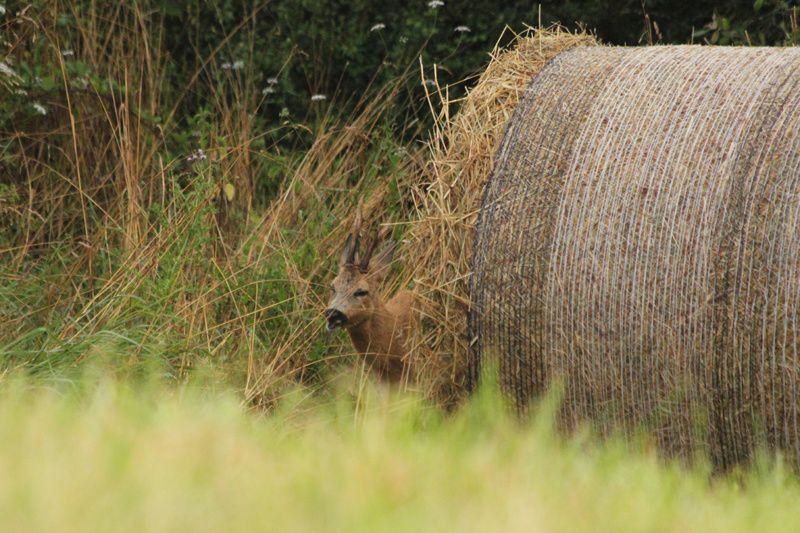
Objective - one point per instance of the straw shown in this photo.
(638, 243)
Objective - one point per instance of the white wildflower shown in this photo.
(318, 97)
(403, 39)
(237, 65)
(272, 81)
(6, 69)
(377, 27)
(435, 4)
(81, 83)
(226, 66)
(68, 53)
(431, 82)
(39, 108)
(197, 155)
(21, 92)
(462, 29)
(268, 90)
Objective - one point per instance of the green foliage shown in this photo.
(769, 22)
(341, 49)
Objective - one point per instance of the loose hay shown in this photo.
(638, 241)
(439, 248)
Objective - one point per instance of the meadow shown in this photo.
(105, 455)
(172, 201)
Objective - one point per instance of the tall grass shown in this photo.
(173, 235)
(109, 456)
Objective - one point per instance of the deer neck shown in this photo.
(376, 334)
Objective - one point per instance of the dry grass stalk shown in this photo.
(95, 185)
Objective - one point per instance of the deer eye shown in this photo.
(360, 293)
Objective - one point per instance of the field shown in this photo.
(101, 455)
(175, 187)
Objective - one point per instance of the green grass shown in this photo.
(99, 455)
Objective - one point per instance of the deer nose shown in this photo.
(335, 318)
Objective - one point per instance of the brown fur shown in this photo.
(382, 337)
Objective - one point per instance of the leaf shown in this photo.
(229, 190)
(757, 5)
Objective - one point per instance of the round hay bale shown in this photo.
(638, 242)
(439, 245)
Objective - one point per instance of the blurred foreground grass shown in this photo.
(100, 455)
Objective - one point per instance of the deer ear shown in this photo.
(380, 262)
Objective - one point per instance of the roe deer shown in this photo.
(378, 329)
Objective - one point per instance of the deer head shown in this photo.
(354, 292)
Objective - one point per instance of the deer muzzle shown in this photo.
(335, 318)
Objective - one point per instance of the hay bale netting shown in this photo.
(638, 240)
